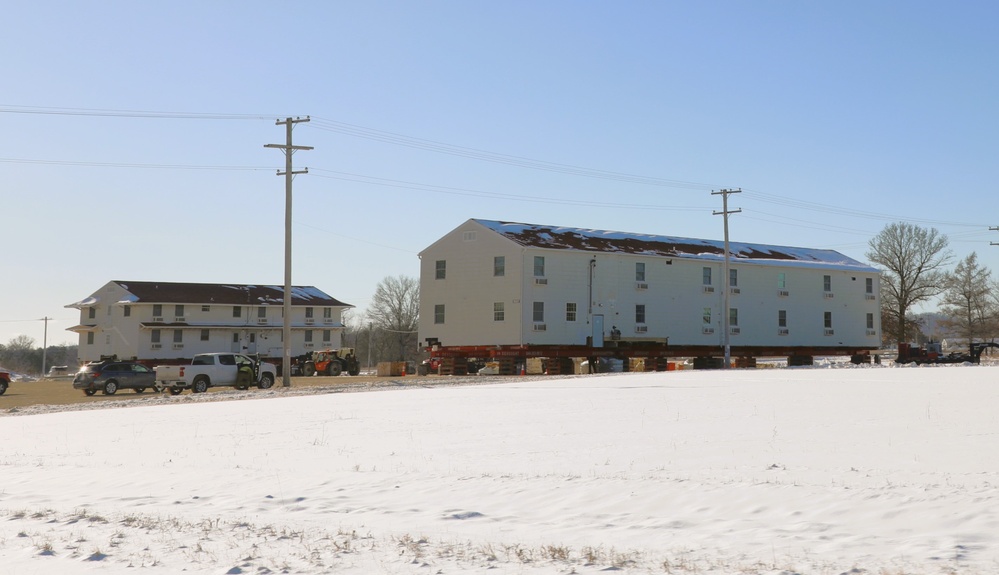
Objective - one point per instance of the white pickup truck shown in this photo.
(215, 369)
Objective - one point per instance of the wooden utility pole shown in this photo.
(725, 313)
(45, 342)
(288, 174)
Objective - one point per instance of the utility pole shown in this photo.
(995, 229)
(288, 174)
(725, 314)
(45, 342)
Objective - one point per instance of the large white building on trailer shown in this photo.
(175, 321)
(500, 283)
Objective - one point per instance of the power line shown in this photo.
(377, 181)
(131, 165)
(9, 109)
(393, 138)
(495, 157)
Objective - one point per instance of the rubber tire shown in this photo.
(309, 370)
(354, 370)
(89, 392)
(200, 384)
(334, 369)
(3, 386)
(266, 381)
(176, 390)
(140, 389)
(110, 387)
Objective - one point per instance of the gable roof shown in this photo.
(221, 294)
(564, 238)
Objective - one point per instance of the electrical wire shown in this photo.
(9, 109)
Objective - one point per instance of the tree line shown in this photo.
(21, 356)
(914, 269)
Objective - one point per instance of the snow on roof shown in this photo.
(231, 294)
(565, 238)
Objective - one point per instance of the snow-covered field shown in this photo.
(872, 469)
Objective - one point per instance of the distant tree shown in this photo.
(395, 312)
(20, 355)
(970, 312)
(912, 261)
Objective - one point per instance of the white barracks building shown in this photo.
(173, 321)
(500, 283)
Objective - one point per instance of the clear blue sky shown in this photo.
(835, 118)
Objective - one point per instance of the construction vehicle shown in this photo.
(932, 353)
(331, 362)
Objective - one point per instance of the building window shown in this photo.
(439, 313)
(91, 312)
(206, 308)
(733, 277)
(707, 316)
(128, 311)
(640, 313)
(869, 284)
(90, 338)
(706, 275)
(204, 335)
(499, 266)
(499, 312)
(826, 283)
(640, 271)
(327, 313)
(253, 338)
(107, 339)
(178, 336)
(539, 312)
(539, 266)
(237, 311)
(327, 336)
(157, 310)
(733, 316)
(235, 338)
(827, 319)
(870, 321)
(154, 336)
(308, 313)
(441, 269)
(782, 318)
(178, 311)
(781, 280)
(308, 336)
(261, 312)
(570, 311)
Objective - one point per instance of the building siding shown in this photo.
(673, 295)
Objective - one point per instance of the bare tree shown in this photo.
(913, 261)
(966, 303)
(395, 311)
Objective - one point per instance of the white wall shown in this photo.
(674, 300)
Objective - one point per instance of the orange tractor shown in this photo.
(331, 362)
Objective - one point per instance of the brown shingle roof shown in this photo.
(226, 294)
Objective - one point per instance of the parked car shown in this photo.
(214, 369)
(60, 372)
(110, 376)
(4, 382)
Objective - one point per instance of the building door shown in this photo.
(235, 343)
(252, 348)
(598, 331)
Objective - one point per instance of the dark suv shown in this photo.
(111, 376)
